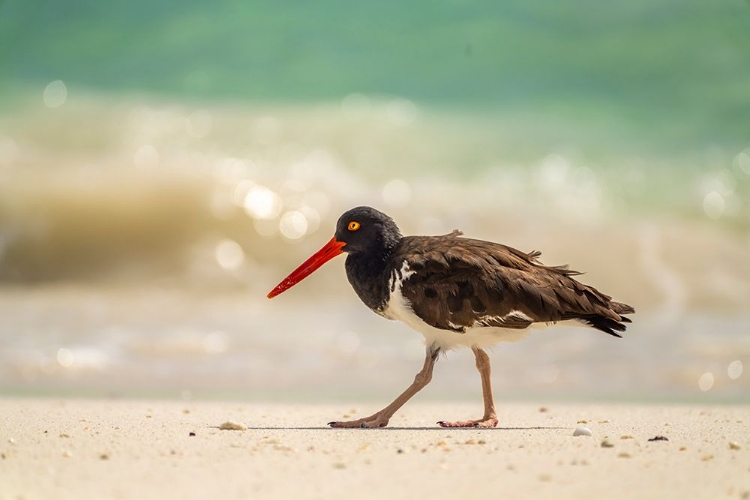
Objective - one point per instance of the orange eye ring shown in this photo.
(353, 226)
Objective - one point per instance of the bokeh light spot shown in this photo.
(293, 225)
(65, 357)
(734, 370)
(262, 203)
(713, 205)
(215, 342)
(229, 255)
(397, 193)
(706, 381)
(55, 94)
(401, 112)
(553, 172)
(742, 161)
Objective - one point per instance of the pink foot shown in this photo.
(376, 420)
(484, 423)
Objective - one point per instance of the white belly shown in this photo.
(482, 337)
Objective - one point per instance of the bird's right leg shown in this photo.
(381, 418)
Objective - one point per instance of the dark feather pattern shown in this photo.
(458, 283)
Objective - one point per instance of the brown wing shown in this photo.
(460, 282)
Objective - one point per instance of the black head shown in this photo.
(365, 229)
(362, 232)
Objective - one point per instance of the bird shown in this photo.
(457, 292)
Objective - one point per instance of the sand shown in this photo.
(80, 449)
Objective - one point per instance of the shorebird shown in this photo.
(457, 292)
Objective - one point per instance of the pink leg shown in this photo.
(381, 418)
(490, 417)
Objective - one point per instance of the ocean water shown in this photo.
(140, 235)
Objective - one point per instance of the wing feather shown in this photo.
(458, 283)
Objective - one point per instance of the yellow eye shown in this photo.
(353, 225)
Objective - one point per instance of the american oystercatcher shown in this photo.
(457, 292)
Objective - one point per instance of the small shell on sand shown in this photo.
(734, 446)
(582, 431)
(232, 426)
(607, 444)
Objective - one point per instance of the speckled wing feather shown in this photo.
(459, 283)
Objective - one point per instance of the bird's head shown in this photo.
(359, 230)
(364, 229)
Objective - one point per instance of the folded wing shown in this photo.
(482, 284)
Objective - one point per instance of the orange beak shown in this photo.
(329, 251)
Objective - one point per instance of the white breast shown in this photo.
(400, 309)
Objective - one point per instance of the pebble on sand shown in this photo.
(607, 444)
(734, 446)
(232, 426)
(582, 431)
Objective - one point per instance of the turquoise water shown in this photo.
(660, 75)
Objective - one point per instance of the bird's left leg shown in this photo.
(490, 417)
(381, 418)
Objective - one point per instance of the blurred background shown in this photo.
(164, 164)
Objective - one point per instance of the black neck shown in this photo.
(369, 272)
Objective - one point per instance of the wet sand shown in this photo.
(81, 449)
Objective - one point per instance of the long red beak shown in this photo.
(331, 250)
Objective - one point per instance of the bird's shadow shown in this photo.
(487, 429)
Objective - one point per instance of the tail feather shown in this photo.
(604, 324)
(608, 324)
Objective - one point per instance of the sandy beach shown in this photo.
(77, 449)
